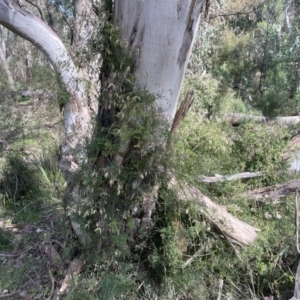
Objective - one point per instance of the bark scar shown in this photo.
(133, 33)
(194, 14)
(179, 9)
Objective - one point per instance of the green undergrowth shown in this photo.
(31, 188)
(208, 147)
(184, 256)
(31, 217)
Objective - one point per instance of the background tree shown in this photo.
(261, 40)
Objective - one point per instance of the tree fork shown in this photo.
(159, 59)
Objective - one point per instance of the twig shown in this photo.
(15, 255)
(297, 222)
(52, 284)
(14, 293)
(64, 17)
(16, 190)
(140, 286)
(190, 259)
(37, 7)
(221, 282)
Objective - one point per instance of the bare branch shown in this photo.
(236, 119)
(64, 17)
(38, 8)
(221, 178)
(238, 13)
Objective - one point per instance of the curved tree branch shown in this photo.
(77, 117)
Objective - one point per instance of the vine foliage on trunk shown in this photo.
(113, 195)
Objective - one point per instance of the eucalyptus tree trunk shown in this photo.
(159, 36)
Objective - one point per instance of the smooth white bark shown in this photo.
(159, 34)
(297, 285)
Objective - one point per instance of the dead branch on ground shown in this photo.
(238, 119)
(274, 192)
(222, 178)
(228, 224)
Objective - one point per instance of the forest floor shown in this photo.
(37, 246)
(33, 233)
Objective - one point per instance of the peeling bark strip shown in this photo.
(159, 35)
(183, 109)
(77, 118)
(194, 13)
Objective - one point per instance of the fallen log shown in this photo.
(228, 224)
(274, 192)
(222, 178)
(38, 93)
(292, 154)
(236, 119)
